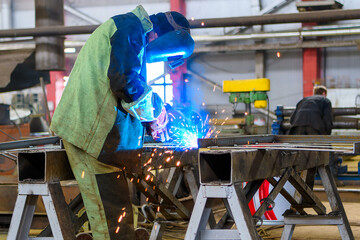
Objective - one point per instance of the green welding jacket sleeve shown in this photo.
(127, 42)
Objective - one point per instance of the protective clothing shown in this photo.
(105, 195)
(174, 42)
(158, 127)
(108, 73)
(173, 46)
(314, 112)
(109, 68)
(101, 115)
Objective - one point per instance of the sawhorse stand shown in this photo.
(223, 172)
(39, 175)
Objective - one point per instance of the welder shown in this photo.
(105, 105)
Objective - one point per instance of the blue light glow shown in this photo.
(185, 128)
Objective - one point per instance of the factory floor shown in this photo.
(177, 231)
(351, 204)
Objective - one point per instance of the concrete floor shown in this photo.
(274, 232)
(177, 231)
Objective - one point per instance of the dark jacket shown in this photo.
(314, 111)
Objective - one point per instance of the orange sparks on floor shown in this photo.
(117, 230)
(82, 174)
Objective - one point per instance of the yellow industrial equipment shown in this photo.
(248, 91)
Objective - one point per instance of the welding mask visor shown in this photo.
(172, 47)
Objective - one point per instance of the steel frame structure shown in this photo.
(223, 172)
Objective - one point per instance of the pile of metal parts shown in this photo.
(228, 164)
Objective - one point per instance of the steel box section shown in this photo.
(44, 166)
(230, 166)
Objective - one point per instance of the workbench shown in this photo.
(225, 165)
(231, 162)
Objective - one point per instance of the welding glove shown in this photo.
(158, 127)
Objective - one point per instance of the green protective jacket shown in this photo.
(107, 79)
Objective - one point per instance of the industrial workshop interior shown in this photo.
(179, 119)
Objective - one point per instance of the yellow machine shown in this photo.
(248, 91)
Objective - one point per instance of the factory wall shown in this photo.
(340, 64)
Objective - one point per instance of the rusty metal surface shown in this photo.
(316, 16)
(248, 165)
(323, 16)
(233, 141)
(29, 143)
(44, 166)
(341, 144)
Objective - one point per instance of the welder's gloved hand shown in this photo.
(158, 127)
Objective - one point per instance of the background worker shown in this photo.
(105, 105)
(313, 115)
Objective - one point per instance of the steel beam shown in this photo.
(255, 139)
(44, 166)
(233, 141)
(323, 16)
(348, 111)
(29, 143)
(319, 16)
(227, 167)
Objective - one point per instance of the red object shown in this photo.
(54, 89)
(311, 69)
(252, 207)
(311, 65)
(263, 193)
(177, 75)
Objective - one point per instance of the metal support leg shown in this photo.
(237, 205)
(335, 201)
(22, 217)
(196, 216)
(157, 231)
(241, 213)
(194, 189)
(287, 232)
(56, 209)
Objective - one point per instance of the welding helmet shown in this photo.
(174, 42)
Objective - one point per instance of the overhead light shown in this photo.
(70, 50)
